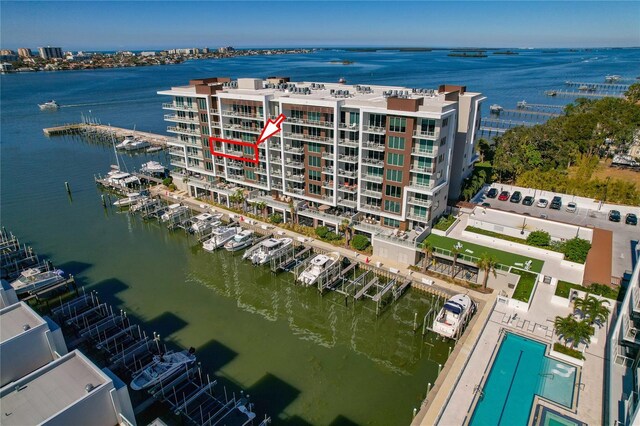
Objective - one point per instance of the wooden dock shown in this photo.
(101, 129)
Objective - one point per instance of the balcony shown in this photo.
(374, 129)
(180, 107)
(418, 186)
(348, 203)
(174, 129)
(231, 113)
(294, 149)
(348, 173)
(299, 191)
(349, 127)
(238, 165)
(371, 207)
(421, 169)
(327, 170)
(241, 128)
(373, 146)
(276, 171)
(275, 146)
(177, 163)
(219, 161)
(323, 124)
(327, 184)
(295, 164)
(373, 162)
(372, 194)
(413, 216)
(424, 134)
(275, 160)
(420, 202)
(371, 178)
(348, 142)
(328, 156)
(214, 111)
(347, 158)
(310, 138)
(424, 152)
(295, 178)
(175, 117)
(348, 189)
(260, 171)
(277, 186)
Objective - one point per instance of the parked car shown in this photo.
(486, 204)
(572, 207)
(516, 197)
(556, 203)
(528, 200)
(631, 219)
(542, 203)
(614, 216)
(492, 193)
(504, 196)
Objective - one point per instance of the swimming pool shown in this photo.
(519, 372)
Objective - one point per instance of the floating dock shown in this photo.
(106, 131)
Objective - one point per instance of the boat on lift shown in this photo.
(204, 221)
(220, 236)
(36, 279)
(453, 316)
(240, 241)
(267, 250)
(173, 211)
(162, 367)
(318, 266)
(129, 199)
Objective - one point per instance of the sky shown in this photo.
(116, 25)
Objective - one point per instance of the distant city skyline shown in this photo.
(109, 25)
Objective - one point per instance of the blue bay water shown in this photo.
(303, 358)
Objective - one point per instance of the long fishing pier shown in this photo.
(90, 128)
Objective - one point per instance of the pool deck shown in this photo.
(457, 397)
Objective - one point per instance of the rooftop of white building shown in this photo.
(16, 319)
(49, 390)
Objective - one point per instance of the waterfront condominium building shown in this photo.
(385, 158)
(24, 52)
(50, 52)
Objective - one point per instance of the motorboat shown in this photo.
(203, 221)
(522, 104)
(153, 168)
(453, 315)
(612, 78)
(240, 241)
(318, 266)
(49, 106)
(495, 109)
(123, 179)
(34, 279)
(127, 140)
(267, 250)
(220, 236)
(173, 211)
(131, 198)
(162, 367)
(136, 145)
(144, 204)
(154, 149)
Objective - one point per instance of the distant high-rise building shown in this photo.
(50, 52)
(8, 55)
(25, 52)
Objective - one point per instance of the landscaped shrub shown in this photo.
(321, 231)
(445, 222)
(275, 218)
(172, 187)
(360, 242)
(167, 181)
(563, 289)
(559, 347)
(331, 236)
(576, 249)
(539, 238)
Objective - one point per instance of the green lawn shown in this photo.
(525, 285)
(503, 257)
(564, 289)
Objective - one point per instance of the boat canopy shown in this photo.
(271, 242)
(453, 307)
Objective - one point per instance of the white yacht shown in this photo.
(240, 241)
(127, 140)
(131, 198)
(495, 109)
(122, 179)
(318, 266)
(35, 279)
(220, 236)
(453, 316)
(162, 367)
(173, 211)
(203, 221)
(267, 250)
(153, 168)
(136, 145)
(49, 106)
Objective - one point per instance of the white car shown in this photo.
(542, 203)
(572, 207)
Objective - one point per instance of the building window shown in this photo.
(179, 100)
(440, 158)
(398, 124)
(394, 175)
(297, 114)
(395, 159)
(315, 175)
(314, 147)
(392, 206)
(208, 166)
(420, 212)
(427, 126)
(204, 130)
(314, 161)
(445, 122)
(377, 120)
(377, 171)
(202, 104)
(391, 222)
(396, 142)
(314, 189)
(394, 191)
(443, 141)
(313, 116)
(204, 118)
(422, 180)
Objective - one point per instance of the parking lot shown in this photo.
(589, 213)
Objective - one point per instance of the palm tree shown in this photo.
(455, 251)
(292, 211)
(572, 330)
(345, 227)
(593, 308)
(427, 249)
(488, 264)
(261, 206)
